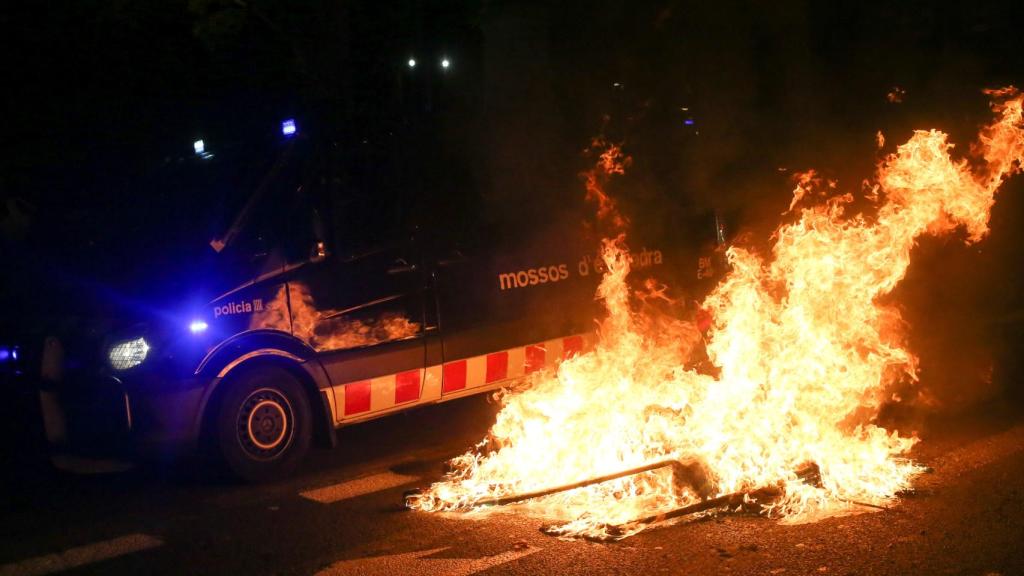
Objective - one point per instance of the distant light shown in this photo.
(688, 121)
(199, 147)
(198, 326)
(4, 354)
(412, 62)
(445, 63)
(288, 127)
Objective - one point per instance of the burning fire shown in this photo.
(805, 350)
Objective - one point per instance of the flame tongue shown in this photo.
(805, 352)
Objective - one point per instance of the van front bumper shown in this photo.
(139, 415)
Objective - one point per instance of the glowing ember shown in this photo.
(805, 351)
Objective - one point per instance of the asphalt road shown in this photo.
(341, 514)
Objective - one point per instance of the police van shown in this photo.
(339, 310)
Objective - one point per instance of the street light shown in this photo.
(412, 62)
(445, 63)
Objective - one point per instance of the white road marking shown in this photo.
(81, 555)
(414, 564)
(357, 487)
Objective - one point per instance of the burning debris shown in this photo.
(806, 349)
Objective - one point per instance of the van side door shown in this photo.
(365, 316)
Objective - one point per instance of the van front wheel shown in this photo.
(264, 424)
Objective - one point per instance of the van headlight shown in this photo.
(129, 354)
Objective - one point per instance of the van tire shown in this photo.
(264, 424)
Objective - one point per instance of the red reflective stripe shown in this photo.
(534, 358)
(571, 346)
(454, 376)
(357, 397)
(407, 386)
(497, 367)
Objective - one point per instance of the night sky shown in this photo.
(718, 103)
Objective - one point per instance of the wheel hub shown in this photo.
(265, 423)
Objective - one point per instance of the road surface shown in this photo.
(341, 515)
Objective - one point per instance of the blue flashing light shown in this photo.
(288, 127)
(199, 147)
(5, 353)
(688, 121)
(198, 326)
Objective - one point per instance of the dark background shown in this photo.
(102, 198)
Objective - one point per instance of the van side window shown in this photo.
(376, 322)
(366, 300)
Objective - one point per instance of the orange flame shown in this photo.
(807, 184)
(611, 161)
(805, 351)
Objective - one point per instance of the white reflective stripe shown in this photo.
(516, 362)
(81, 556)
(382, 393)
(553, 352)
(431, 389)
(358, 487)
(476, 371)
